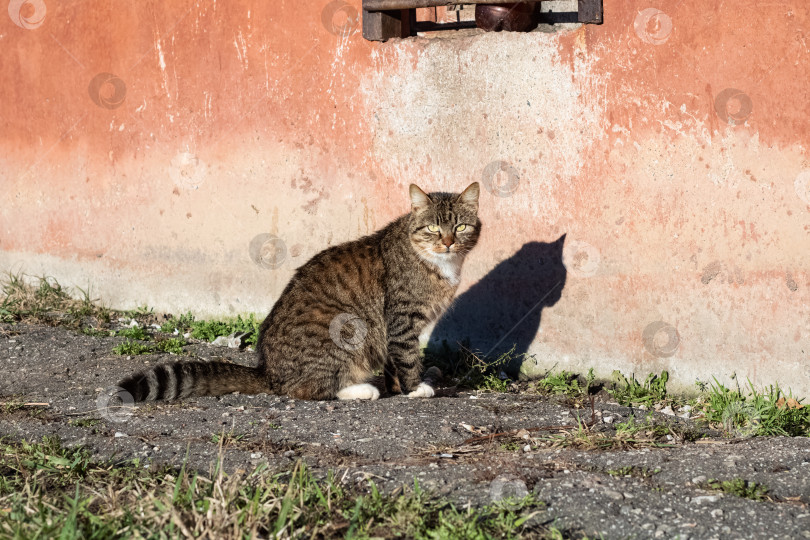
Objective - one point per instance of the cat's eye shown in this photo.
(461, 228)
(433, 228)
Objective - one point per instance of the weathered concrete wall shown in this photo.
(190, 155)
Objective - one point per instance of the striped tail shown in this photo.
(192, 379)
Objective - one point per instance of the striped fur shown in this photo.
(349, 311)
(189, 379)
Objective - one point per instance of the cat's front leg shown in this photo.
(403, 353)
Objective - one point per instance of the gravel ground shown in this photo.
(617, 493)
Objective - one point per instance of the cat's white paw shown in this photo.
(423, 390)
(359, 391)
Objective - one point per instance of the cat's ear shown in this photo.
(470, 195)
(419, 199)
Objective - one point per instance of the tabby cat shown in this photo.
(350, 310)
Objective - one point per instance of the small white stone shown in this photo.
(668, 410)
(705, 499)
(527, 448)
(607, 419)
(255, 455)
(119, 434)
(699, 479)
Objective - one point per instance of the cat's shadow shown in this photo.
(503, 310)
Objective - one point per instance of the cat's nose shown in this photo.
(448, 240)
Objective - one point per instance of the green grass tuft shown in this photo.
(135, 332)
(631, 392)
(132, 348)
(182, 324)
(566, 383)
(171, 345)
(210, 330)
(740, 488)
(772, 412)
(634, 471)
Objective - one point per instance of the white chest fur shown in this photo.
(448, 265)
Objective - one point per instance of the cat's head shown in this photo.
(444, 224)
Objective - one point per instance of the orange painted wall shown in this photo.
(669, 145)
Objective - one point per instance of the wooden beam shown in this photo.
(384, 5)
(589, 11)
(384, 25)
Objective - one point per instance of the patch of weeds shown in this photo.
(171, 345)
(210, 330)
(182, 324)
(493, 383)
(629, 428)
(44, 300)
(49, 491)
(647, 428)
(628, 391)
(772, 412)
(132, 348)
(227, 439)
(94, 424)
(627, 436)
(633, 471)
(511, 446)
(12, 405)
(135, 332)
(689, 434)
(566, 383)
(85, 422)
(740, 488)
